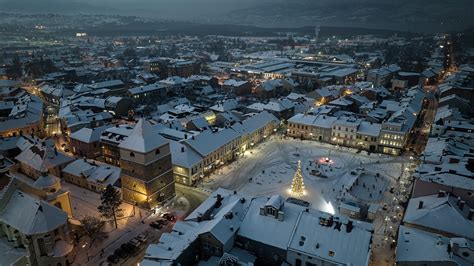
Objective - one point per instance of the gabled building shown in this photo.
(42, 157)
(86, 141)
(92, 175)
(21, 115)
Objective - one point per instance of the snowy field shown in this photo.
(331, 173)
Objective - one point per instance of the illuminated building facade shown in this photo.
(147, 174)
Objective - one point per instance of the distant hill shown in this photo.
(413, 15)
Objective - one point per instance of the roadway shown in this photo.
(194, 196)
(422, 130)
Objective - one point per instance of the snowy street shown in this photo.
(130, 225)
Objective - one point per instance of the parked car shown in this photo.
(121, 253)
(142, 238)
(156, 225)
(134, 242)
(162, 221)
(113, 259)
(129, 248)
(169, 216)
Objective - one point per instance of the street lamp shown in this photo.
(134, 203)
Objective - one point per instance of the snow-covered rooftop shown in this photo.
(416, 246)
(441, 214)
(143, 138)
(30, 215)
(333, 241)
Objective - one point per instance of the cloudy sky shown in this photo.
(402, 14)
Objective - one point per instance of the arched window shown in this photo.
(58, 204)
(132, 154)
(157, 151)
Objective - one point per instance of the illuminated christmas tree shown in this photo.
(297, 185)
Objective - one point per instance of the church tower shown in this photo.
(147, 172)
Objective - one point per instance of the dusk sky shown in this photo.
(405, 14)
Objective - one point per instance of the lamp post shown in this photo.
(133, 206)
(87, 250)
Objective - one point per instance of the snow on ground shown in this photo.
(85, 202)
(329, 172)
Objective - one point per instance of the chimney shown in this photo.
(420, 204)
(185, 136)
(218, 202)
(281, 216)
(470, 161)
(453, 160)
(461, 204)
(455, 248)
(470, 216)
(349, 226)
(441, 194)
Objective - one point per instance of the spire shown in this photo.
(297, 185)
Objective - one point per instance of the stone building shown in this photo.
(147, 174)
